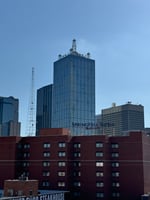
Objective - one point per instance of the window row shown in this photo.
(63, 145)
(63, 154)
(75, 164)
(98, 194)
(78, 173)
(59, 184)
(60, 144)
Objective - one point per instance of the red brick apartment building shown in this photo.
(90, 167)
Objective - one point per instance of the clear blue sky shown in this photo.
(115, 32)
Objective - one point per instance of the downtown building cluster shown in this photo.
(93, 157)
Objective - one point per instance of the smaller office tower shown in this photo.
(9, 125)
(44, 107)
(119, 119)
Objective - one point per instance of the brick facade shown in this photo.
(90, 167)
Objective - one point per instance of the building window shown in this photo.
(115, 194)
(115, 174)
(61, 153)
(26, 146)
(26, 155)
(76, 173)
(99, 154)
(77, 183)
(46, 173)
(45, 183)
(24, 175)
(116, 184)
(20, 193)
(77, 145)
(46, 164)
(62, 144)
(46, 145)
(115, 164)
(99, 174)
(99, 164)
(61, 164)
(25, 164)
(76, 154)
(61, 173)
(99, 195)
(61, 184)
(99, 184)
(115, 145)
(99, 144)
(77, 164)
(115, 155)
(46, 154)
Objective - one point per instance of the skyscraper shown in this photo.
(44, 108)
(73, 104)
(9, 125)
(119, 119)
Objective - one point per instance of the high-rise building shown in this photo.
(73, 103)
(9, 125)
(119, 119)
(44, 108)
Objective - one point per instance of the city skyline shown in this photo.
(116, 34)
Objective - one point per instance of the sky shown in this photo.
(115, 32)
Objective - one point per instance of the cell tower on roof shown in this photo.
(31, 122)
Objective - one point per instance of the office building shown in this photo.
(73, 104)
(119, 119)
(9, 125)
(88, 167)
(44, 108)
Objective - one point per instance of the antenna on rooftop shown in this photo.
(73, 45)
(31, 109)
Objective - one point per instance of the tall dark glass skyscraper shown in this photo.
(73, 104)
(44, 108)
(9, 125)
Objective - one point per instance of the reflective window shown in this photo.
(61, 153)
(46, 154)
(61, 184)
(99, 164)
(99, 184)
(62, 173)
(99, 174)
(99, 154)
(99, 144)
(115, 164)
(61, 164)
(62, 144)
(46, 145)
(46, 163)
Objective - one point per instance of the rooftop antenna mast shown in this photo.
(31, 109)
(74, 45)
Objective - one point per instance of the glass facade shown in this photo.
(44, 108)
(9, 124)
(74, 93)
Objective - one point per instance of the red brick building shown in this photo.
(23, 187)
(90, 167)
